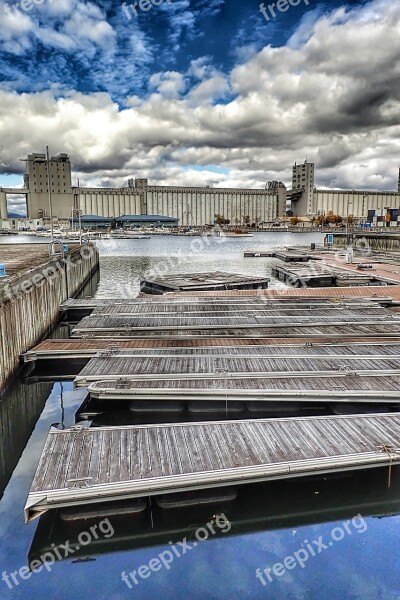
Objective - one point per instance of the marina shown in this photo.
(197, 402)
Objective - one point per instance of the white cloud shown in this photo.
(332, 94)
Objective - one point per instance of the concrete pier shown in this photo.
(31, 294)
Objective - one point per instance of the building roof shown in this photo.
(145, 218)
(93, 218)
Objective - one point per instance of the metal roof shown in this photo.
(146, 219)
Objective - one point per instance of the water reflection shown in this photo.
(20, 408)
(253, 508)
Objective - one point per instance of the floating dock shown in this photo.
(85, 466)
(273, 323)
(258, 253)
(316, 275)
(291, 256)
(222, 363)
(85, 349)
(202, 282)
(338, 386)
(286, 256)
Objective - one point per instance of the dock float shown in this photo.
(258, 253)
(221, 363)
(292, 256)
(76, 349)
(316, 275)
(285, 256)
(228, 319)
(306, 330)
(212, 281)
(82, 466)
(337, 386)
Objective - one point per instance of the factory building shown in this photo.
(39, 173)
(303, 187)
(192, 206)
(306, 200)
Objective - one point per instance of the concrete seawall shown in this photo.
(30, 301)
(384, 242)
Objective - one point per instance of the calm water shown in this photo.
(270, 523)
(124, 262)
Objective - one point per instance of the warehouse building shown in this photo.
(306, 200)
(191, 206)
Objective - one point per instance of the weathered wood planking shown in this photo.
(89, 348)
(306, 331)
(262, 361)
(182, 457)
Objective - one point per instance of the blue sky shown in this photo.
(203, 92)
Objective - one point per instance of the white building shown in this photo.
(36, 180)
(190, 205)
(303, 182)
(309, 201)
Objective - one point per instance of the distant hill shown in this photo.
(13, 215)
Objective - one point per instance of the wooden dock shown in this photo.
(323, 387)
(73, 349)
(85, 466)
(322, 276)
(291, 256)
(254, 363)
(379, 293)
(258, 253)
(284, 255)
(254, 318)
(202, 282)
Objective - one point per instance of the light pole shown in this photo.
(387, 221)
(363, 207)
(349, 253)
(49, 190)
(347, 219)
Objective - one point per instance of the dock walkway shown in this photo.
(263, 361)
(83, 466)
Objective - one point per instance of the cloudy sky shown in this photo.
(203, 92)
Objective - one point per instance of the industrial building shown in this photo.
(307, 200)
(191, 206)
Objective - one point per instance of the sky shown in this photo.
(202, 92)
